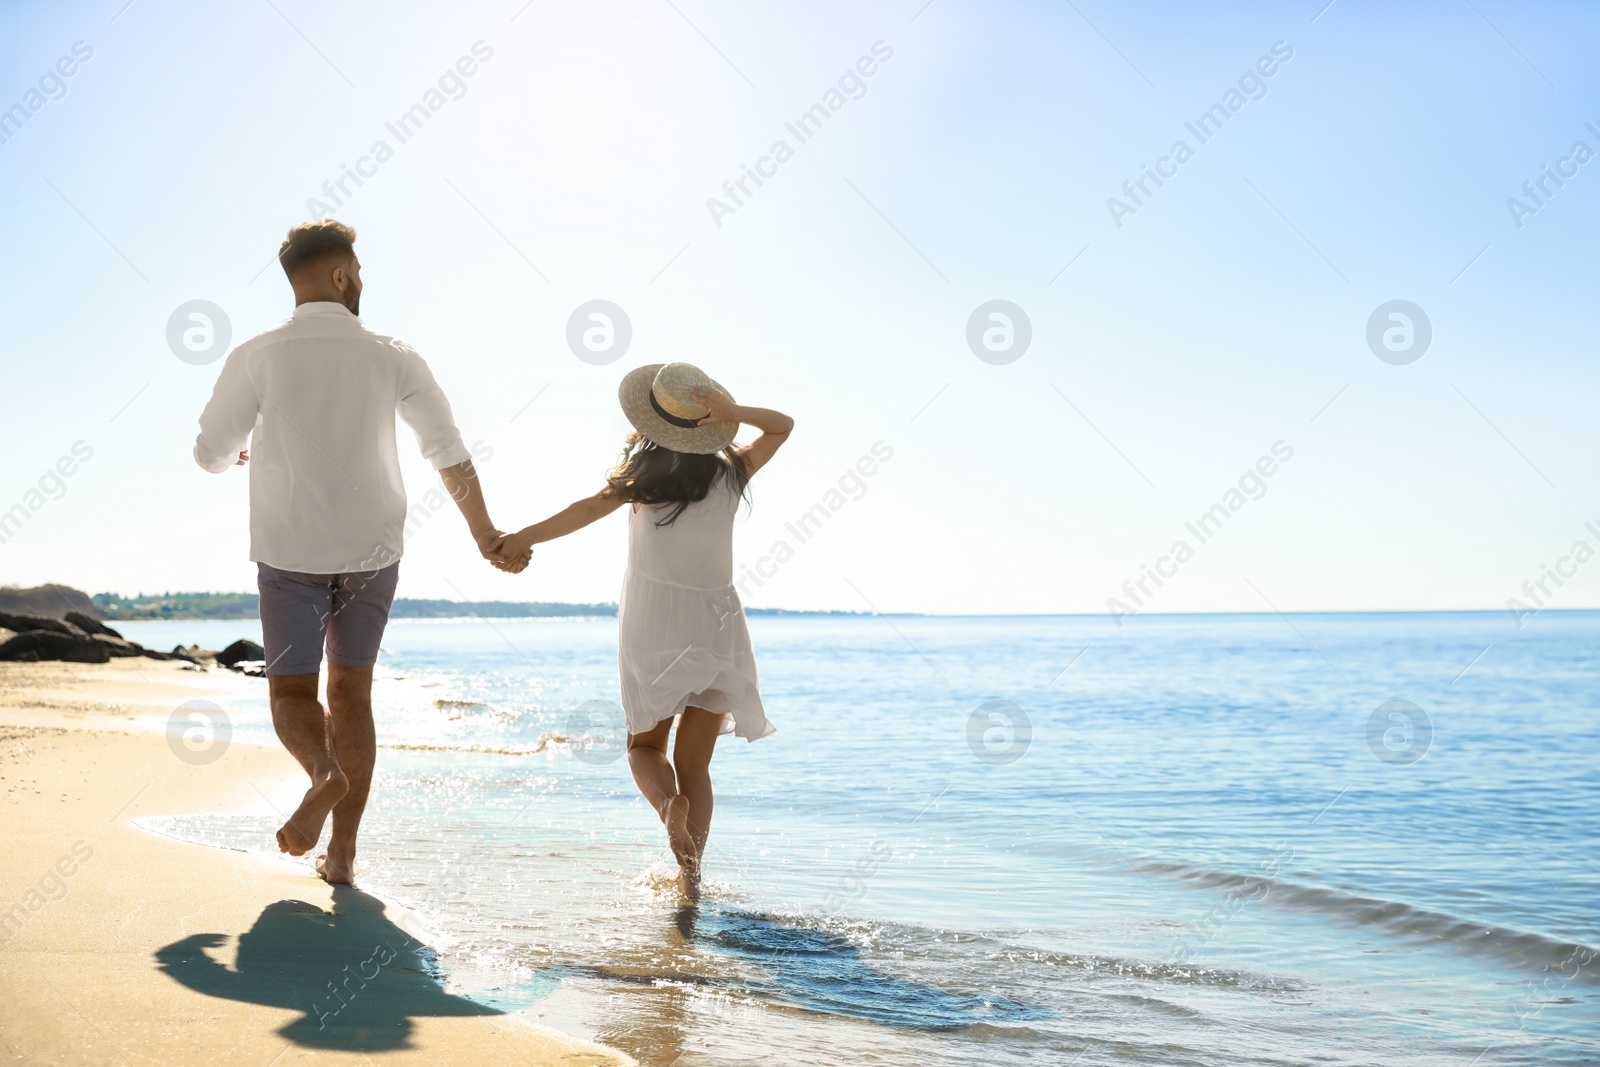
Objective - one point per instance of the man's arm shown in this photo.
(228, 418)
(423, 406)
(461, 482)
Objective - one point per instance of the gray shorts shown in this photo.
(299, 612)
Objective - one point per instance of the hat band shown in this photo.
(687, 424)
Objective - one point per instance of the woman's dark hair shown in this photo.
(650, 474)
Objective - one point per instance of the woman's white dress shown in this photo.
(682, 640)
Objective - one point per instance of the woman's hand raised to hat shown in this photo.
(721, 408)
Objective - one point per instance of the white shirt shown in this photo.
(316, 397)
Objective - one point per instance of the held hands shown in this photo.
(518, 548)
(495, 547)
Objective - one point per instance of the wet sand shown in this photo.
(118, 946)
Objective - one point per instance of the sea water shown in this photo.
(1308, 839)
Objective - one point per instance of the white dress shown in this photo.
(681, 634)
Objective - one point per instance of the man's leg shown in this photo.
(355, 632)
(303, 728)
(294, 615)
(356, 742)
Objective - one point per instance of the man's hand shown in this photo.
(492, 547)
(244, 457)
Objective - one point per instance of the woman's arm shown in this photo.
(573, 517)
(774, 426)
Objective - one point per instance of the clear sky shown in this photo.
(1176, 338)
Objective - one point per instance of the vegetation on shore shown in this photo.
(246, 606)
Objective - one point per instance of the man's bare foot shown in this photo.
(299, 835)
(337, 867)
(682, 842)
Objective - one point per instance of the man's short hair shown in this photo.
(311, 241)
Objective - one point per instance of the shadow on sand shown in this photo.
(357, 978)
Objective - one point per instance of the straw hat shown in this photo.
(657, 400)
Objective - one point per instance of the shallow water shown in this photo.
(1205, 850)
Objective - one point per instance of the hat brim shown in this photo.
(634, 395)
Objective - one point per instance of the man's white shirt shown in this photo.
(316, 398)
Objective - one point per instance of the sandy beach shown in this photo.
(122, 947)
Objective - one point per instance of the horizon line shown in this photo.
(940, 614)
(849, 611)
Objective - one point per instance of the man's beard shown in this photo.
(354, 304)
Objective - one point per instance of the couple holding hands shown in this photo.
(310, 404)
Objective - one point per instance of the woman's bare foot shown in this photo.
(299, 835)
(689, 880)
(337, 866)
(682, 842)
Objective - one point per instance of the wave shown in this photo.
(547, 741)
(461, 705)
(1395, 917)
(924, 944)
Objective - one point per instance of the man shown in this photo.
(315, 398)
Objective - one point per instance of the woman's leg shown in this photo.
(691, 758)
(652, 771)
(653, 774)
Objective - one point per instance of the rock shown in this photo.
(240, 651)
(43, 644)
(6, 635)
(25, 623)
(89, 625)
(117, 647)
(194, 653)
